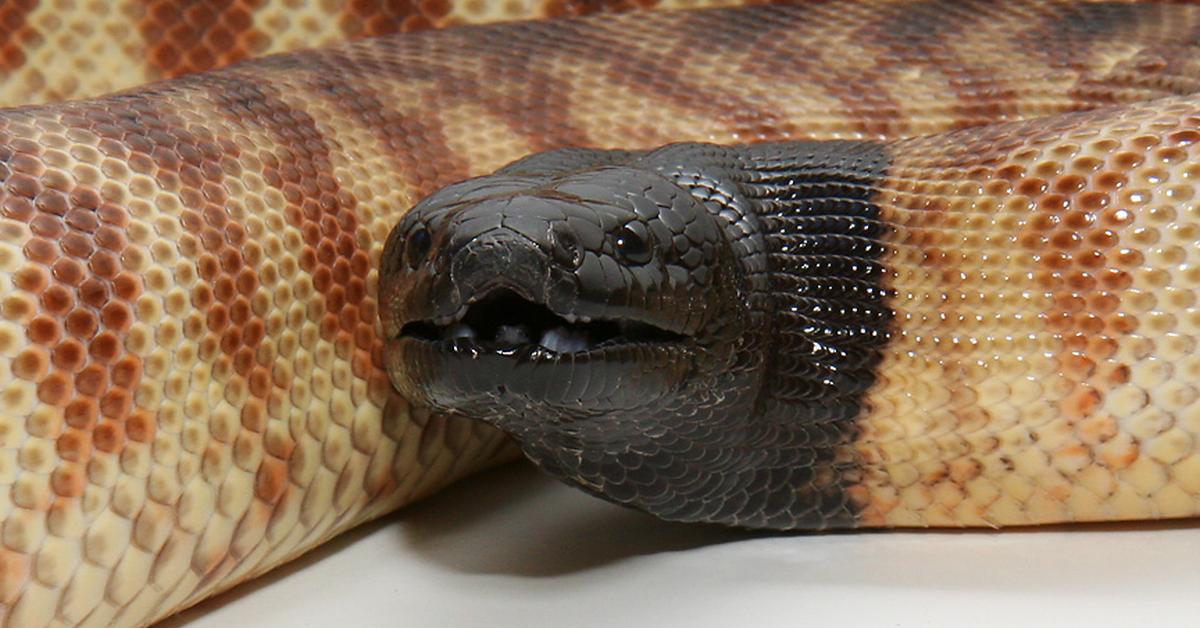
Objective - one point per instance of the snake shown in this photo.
(974, 305)
(826, 265)
(957, 324)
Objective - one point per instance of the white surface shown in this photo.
(511, 548)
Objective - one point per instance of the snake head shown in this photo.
(541, 301)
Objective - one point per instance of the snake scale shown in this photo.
(192, 358)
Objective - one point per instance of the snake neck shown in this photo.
(821, 230)
(802, 218)
(807, 231)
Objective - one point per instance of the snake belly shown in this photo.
(193, 373)
(987, 327)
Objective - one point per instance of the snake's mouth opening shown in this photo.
(504, 321)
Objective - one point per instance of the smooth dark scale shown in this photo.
(777, 465)
(822, 231)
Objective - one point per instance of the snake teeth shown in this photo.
(459, 330)
(564, 340)
(559, 339)
(512, 335)
(503, 321)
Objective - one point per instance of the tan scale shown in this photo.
(1045, 285)
(201, 485)
(52, 50)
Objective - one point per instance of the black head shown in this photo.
(618, 313)
(549, 303)
(603, 315)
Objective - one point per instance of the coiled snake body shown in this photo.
(984, 327)
(991, 323)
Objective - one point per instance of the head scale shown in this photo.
(585, 302)
(690, 331)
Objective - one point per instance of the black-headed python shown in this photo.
(838, 264)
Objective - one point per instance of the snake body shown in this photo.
(985, 327)
(192, 362)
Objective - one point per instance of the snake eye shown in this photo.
(632, 243)
(416, 247)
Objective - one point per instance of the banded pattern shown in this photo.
(53, 50)
(1044, 363)
(191, 371)
(1009, 392)
(926, 450)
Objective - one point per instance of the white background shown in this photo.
(511, 548)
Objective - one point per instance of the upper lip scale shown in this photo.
(448, 319)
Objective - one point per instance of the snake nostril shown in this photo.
(566, 248)
(416, 247)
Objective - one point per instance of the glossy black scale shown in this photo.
(689, 331)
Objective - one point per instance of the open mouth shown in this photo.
(503, 320)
